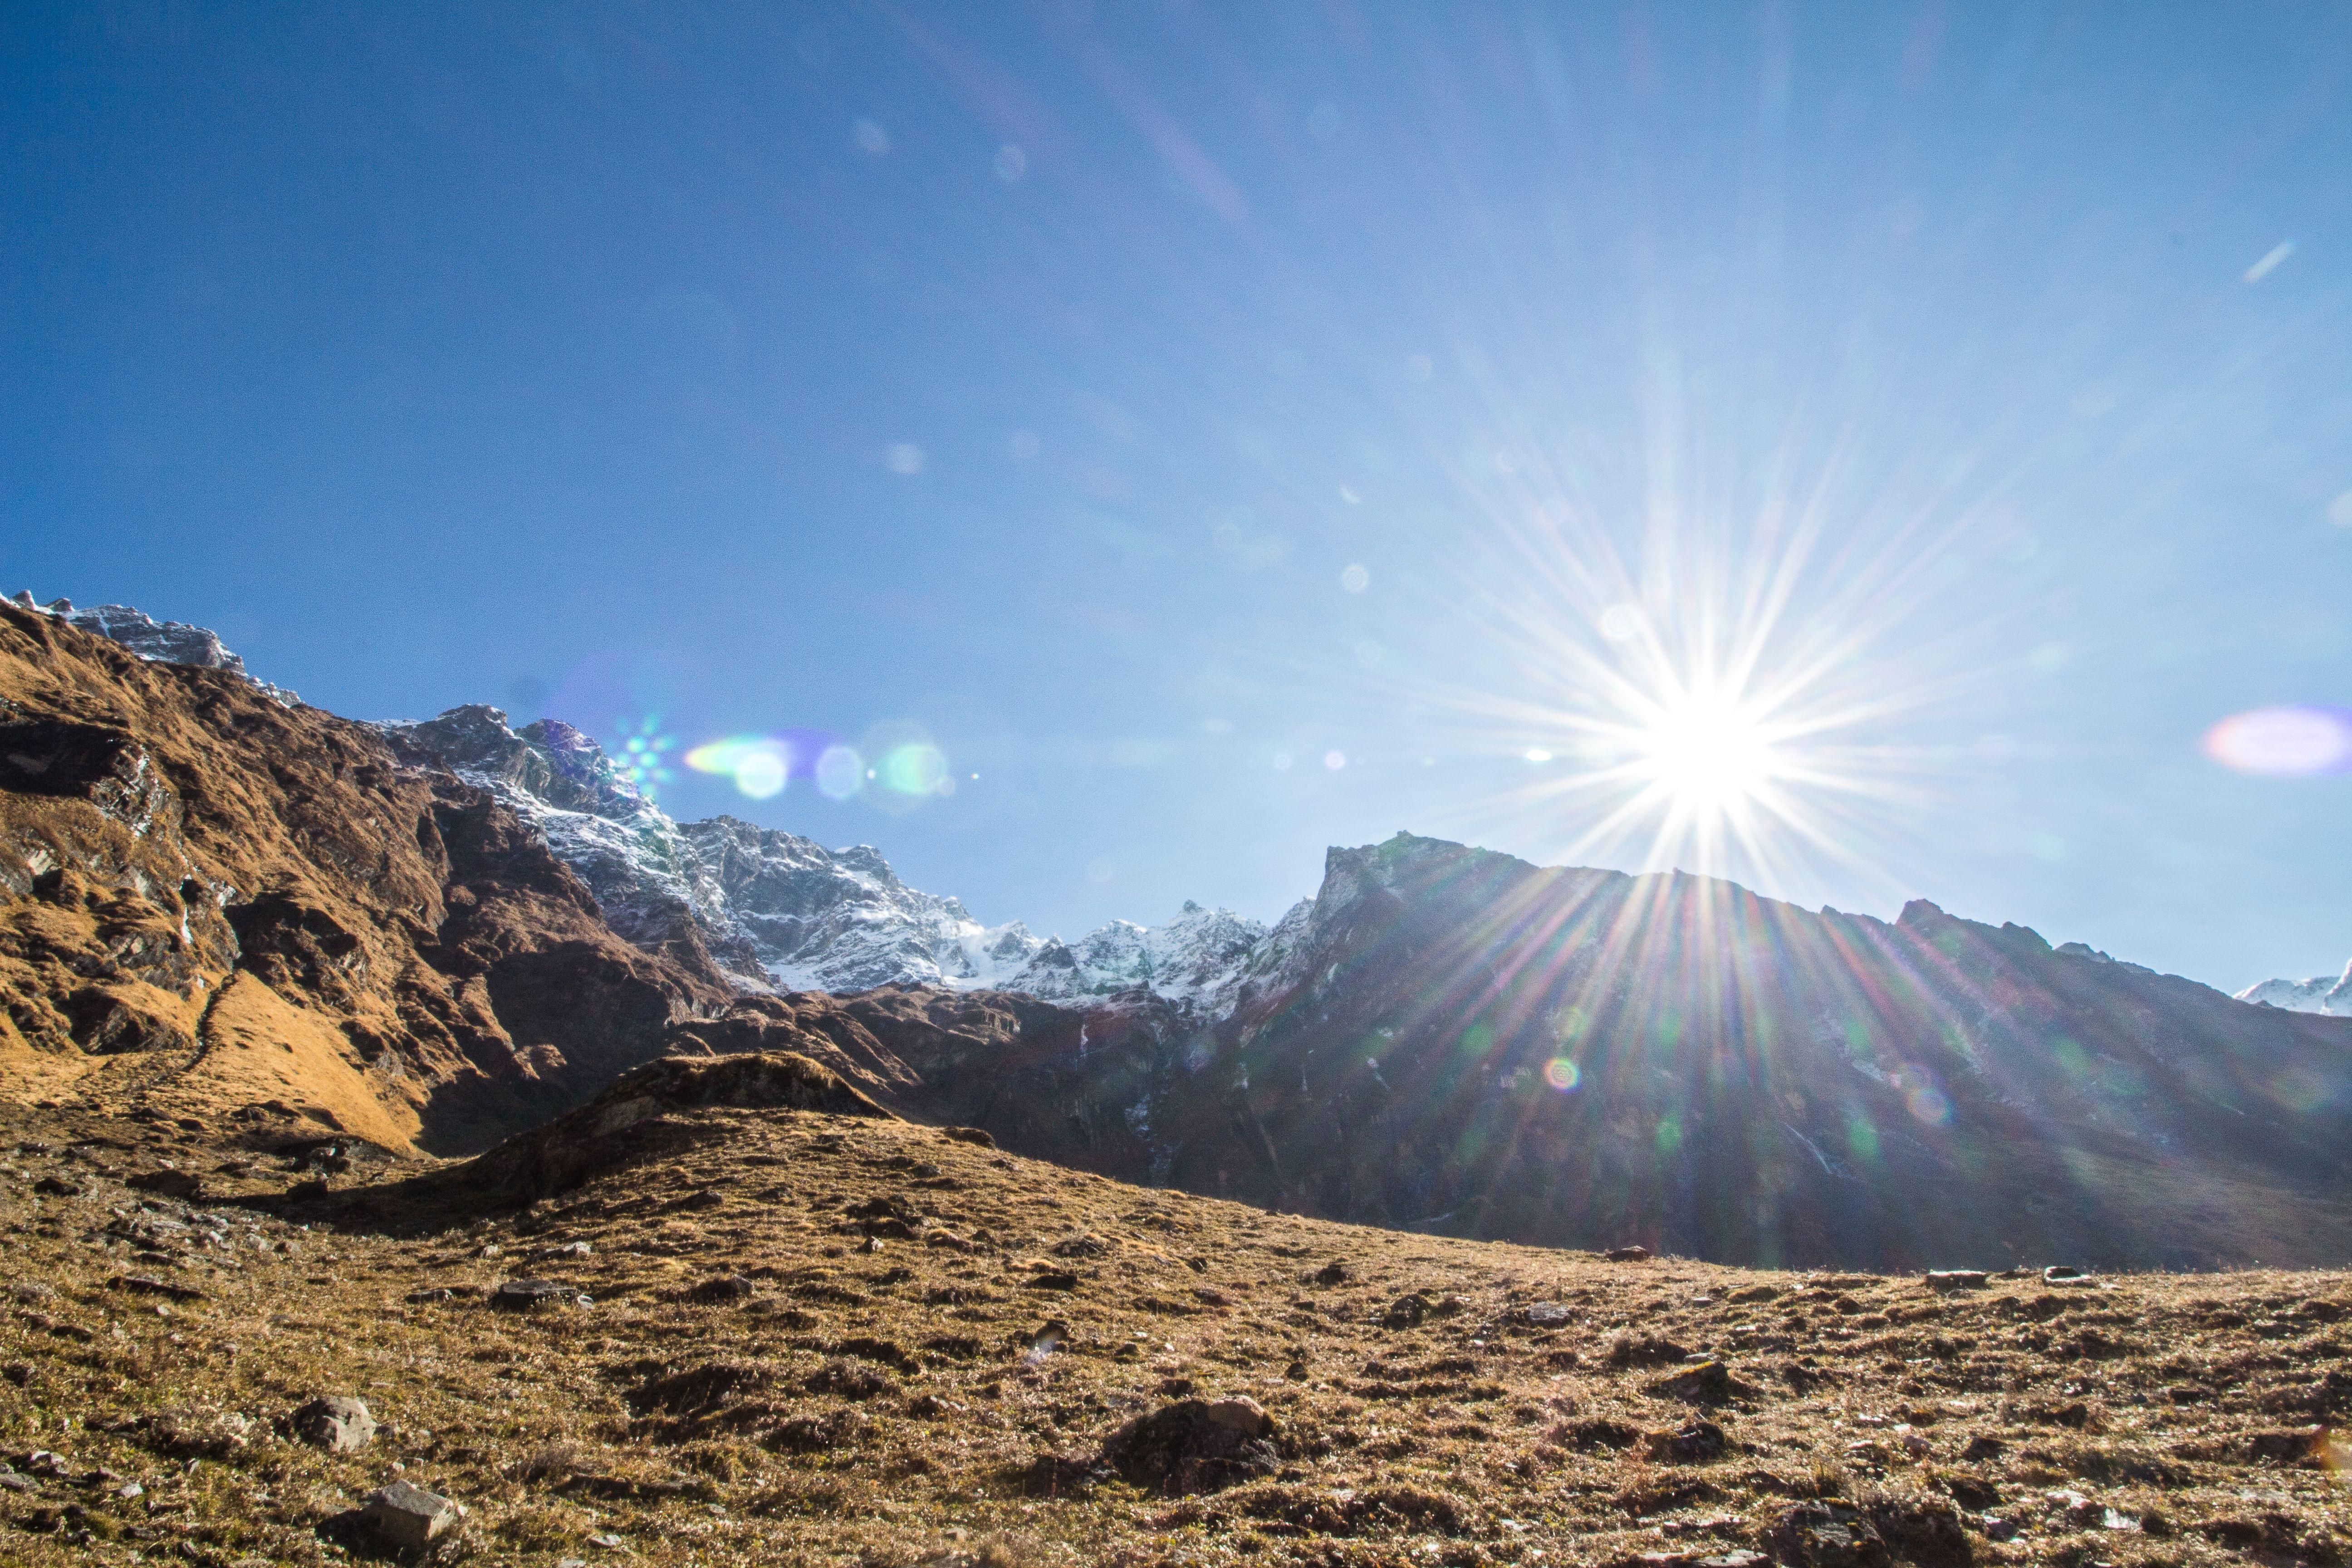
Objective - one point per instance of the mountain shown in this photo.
(780, 911)
(2327, 994)
(1450, 1039)
(219, 906)
(240, 915)
(772, 909)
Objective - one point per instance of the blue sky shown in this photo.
(1027, 380)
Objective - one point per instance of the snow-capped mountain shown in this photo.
(2327, 993)
(777, 910)
(773, 909)
(170, 642)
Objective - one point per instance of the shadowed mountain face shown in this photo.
(1456, 1041)
(1469, 1043)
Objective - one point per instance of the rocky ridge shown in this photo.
(781, 911)
(168, 642)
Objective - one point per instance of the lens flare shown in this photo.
(760, 764)
(913, 770)
(2295, 742)
(1563, 1075)
(643, 757)
(840, 773)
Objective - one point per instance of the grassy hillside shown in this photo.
(819, 1338)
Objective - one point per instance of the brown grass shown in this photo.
(941, 1394)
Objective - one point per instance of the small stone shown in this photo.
(429, 1294)
(337, 1423)
(521, 1294)
(1958, 1278)
(1707, 1383)
(127, 1492)
(11, 1482)
(609, 1541)
(1241, 1413)
(408, 1515)
(487, 1249)
(1627, 1255)
(1548, 1314)
(59, 1187)
(570, 1249)
(2062, 1273)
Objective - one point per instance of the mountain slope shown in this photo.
(776, 1335)
(266, 918)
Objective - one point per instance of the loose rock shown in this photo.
(337, 1423)
(408, 1515)
(521, 1294)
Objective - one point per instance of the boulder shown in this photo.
(337, 1423)
(1184, 1447)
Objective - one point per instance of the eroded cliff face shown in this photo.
(222, 908)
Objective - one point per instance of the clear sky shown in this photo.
(1224, 431)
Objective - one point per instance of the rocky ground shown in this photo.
(789, 1336)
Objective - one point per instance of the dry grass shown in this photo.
(941, 1393)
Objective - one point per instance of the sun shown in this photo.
(1708, 755)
